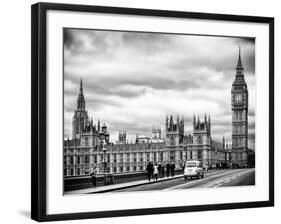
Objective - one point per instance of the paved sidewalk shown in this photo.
(107, 188)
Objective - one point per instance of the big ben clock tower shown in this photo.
(239, 104)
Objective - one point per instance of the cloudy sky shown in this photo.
(132, 80)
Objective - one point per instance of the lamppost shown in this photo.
(108, 177)
(104, 165)
(104, 149)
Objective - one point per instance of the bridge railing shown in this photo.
(85, 181)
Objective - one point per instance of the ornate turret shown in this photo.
(104, 134)
(167, 125)
(204, 126)
(209, 122)
(137, 138)
(239, 81)
(81, 100)
(174, 131)
(80, 119)
(239, 63)
(98, 125)
(104, 128)
(201, 132)
(122, 137)
(194, 122)
(171, 123)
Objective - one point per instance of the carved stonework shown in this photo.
(239, 102)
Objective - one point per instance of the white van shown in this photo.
(193, 169)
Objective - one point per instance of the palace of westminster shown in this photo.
(89, 141)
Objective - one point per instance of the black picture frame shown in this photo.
(39, 108)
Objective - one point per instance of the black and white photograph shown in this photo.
(148, 111)
(142, 111)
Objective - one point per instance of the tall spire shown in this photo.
(194, 122)
(81, 85)
(81, 99)
(91, 125)
(98, 125)
(239, 63)
(209, 123)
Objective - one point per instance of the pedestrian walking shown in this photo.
(183, 165)
(149, 170)
(168, 169)
(159, 170)
(163, 170)
(94, 174)
(172, 169)
(155, 171)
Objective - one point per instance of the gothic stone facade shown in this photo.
(81, 153)
(239, 105)
(85, 149)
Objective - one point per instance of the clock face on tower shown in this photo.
(238, 98)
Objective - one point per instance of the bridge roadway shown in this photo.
(220, 178)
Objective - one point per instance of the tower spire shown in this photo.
(81, 99)
(81, 85)
(80, 118)
(194, 122)
(98, 125)
(239, 63)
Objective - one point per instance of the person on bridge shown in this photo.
(149, 170)
(183, 165)
(155, 172)
(163, 170)
(168, 169)
(94, 173)
(172, 169)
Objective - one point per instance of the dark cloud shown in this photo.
(227, 64)
(67, 37)
(86, 42)
(118, 85)
(70, 40)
